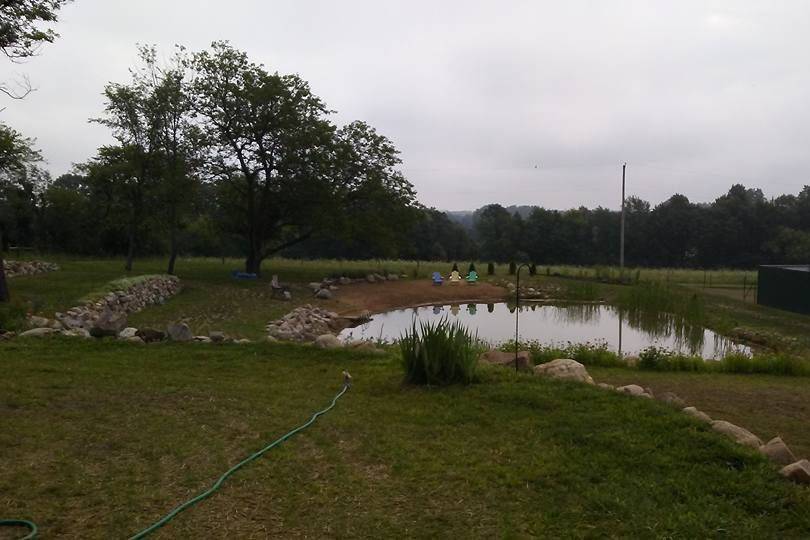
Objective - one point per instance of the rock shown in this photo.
(128, 332)
(179, 332)
(343, 280)
(507, 359)
(632, 389)
(202, 339)
(328, 341)
(777, 451)
(38, 322)
(392, 277)
(379, 277)
(77, 332)
(314, 286)
(798, 472)
(135, 339)
(370, 278)
(649, 392)
(564, 368)
(150, 335)
(271, 339)
(38, 332)
(324, 294)
(741, 435)
(606, 386)
(692, 411)
(217, 336)
(242, 341)
(286, 295)
(672, 399)
(109, 323)
(333, 287)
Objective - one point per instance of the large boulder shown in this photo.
(741, 435)
(109, 323)
(150, 335)
(128, 332)
(179, 332)
(633, 390)
(507, 359)
(777, 451)
(38, 322)
(38, 332)
(565, 369)
(700, 415)
(324, 294)
(328, 341)
(798, 472)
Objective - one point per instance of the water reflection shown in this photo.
(627, 332)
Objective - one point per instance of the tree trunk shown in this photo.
(253, 263)
(4, 295)
(130, 249)
(172, 251)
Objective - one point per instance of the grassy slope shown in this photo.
(100, 439)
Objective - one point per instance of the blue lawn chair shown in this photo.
(437, 278)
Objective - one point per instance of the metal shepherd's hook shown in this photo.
(517, 310)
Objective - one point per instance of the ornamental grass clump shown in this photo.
(439, 353)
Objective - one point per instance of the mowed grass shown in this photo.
(100, 439)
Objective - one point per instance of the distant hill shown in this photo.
(466, 218)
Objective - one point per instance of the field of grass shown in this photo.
(101, 438)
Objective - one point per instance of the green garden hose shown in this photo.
(210, 491)
(30, 525)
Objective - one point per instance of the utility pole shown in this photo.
(621, 233)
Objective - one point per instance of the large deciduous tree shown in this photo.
(283, 170)
(18, 160)
(23, 30)
(150, 118)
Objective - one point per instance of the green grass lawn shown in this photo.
(100, 439)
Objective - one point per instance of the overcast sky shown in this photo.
(510, 102)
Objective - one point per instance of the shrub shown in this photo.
(439, 353)
(471, 268)
(455, 267)
(491, 269)
(532, 269)
(512, 268)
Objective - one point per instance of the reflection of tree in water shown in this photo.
(472, 309)
(577, 313)
(658, 324)
(490, 308)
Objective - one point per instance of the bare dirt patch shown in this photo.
(379, 297)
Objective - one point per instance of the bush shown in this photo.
(439, 353)
(491, 269)
(471, 268)
(512, 268)
(455, 267)
(532, 269)
(588, 354)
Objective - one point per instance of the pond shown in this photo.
(622, 331)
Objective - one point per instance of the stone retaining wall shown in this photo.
(147, 292)
(28, 268)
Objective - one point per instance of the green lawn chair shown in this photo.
(472, 277)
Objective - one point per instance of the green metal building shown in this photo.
(784, 287)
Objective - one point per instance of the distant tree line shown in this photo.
(740, 229)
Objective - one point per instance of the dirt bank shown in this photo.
(379, 297)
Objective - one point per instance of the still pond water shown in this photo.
(576, 323)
